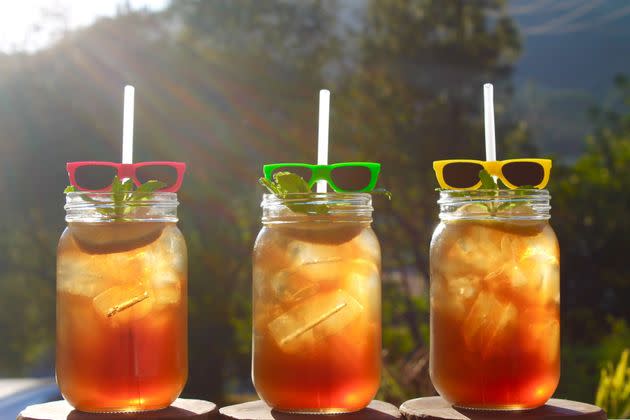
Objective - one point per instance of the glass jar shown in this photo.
(121, 304)
(317, 303)
(495, 296)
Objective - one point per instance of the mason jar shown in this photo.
(121, 303)
(317, 303)
(495, 296)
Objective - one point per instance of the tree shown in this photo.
(591, 198)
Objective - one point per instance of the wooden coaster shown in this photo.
(180, 409)
(555, 409)
(258, 410)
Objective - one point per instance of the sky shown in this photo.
(21, 27)
(572, 44)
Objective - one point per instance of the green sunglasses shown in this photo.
(342, 177)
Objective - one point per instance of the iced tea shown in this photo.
(317, 321)
(121, 315)
(495, 327)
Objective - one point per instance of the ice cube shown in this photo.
(293, 285)
(464, 287)
(507, 278)
(362, 281)
(163, 277)
(302, 253)
(314, 319)
(272, 252)
(164, 267)
(168, 295)
(123, 302)
(476, 250)
(489, 324)
(543, 271)
(454, 294)
(533, 278)
(544, 334)
(367, 245)
(77, 275)
(548, 338)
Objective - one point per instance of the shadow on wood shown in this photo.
(438, 409)
(258, 410)
(180, 409)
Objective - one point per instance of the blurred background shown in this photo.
(229, 85)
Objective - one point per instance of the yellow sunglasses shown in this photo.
(463, 174)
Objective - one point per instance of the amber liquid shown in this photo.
(317, 331)
(495, 314)
(338, 375)
(121, 322)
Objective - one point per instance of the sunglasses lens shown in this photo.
(523, 173)
(461, 174)
(94, 177)
(163, 173)
(351, 178)
(305, 173)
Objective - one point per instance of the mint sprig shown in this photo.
(124, 196)
(285, 183)
(489, 183)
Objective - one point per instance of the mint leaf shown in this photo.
(291, 183)
(285, 183)
(118, 196)
(487, 182)
(383, 191)
(520, 191)
(501, 185)
(273, 188)
(145, 190)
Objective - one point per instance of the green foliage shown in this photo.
(613, 392)
(581, 362)
(590, 201)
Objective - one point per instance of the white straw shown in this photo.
(127, 152)
(322, 134)
(488, 108)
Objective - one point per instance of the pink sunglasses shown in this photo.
(97, 176)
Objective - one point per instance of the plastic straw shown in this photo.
(322, 134)
(488, 108)
(127, 151)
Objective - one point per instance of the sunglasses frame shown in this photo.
(323, 173)
(126, 170)
(494, 168)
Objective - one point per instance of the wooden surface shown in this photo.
(258, 410)
(438, 409)
(180, 409)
